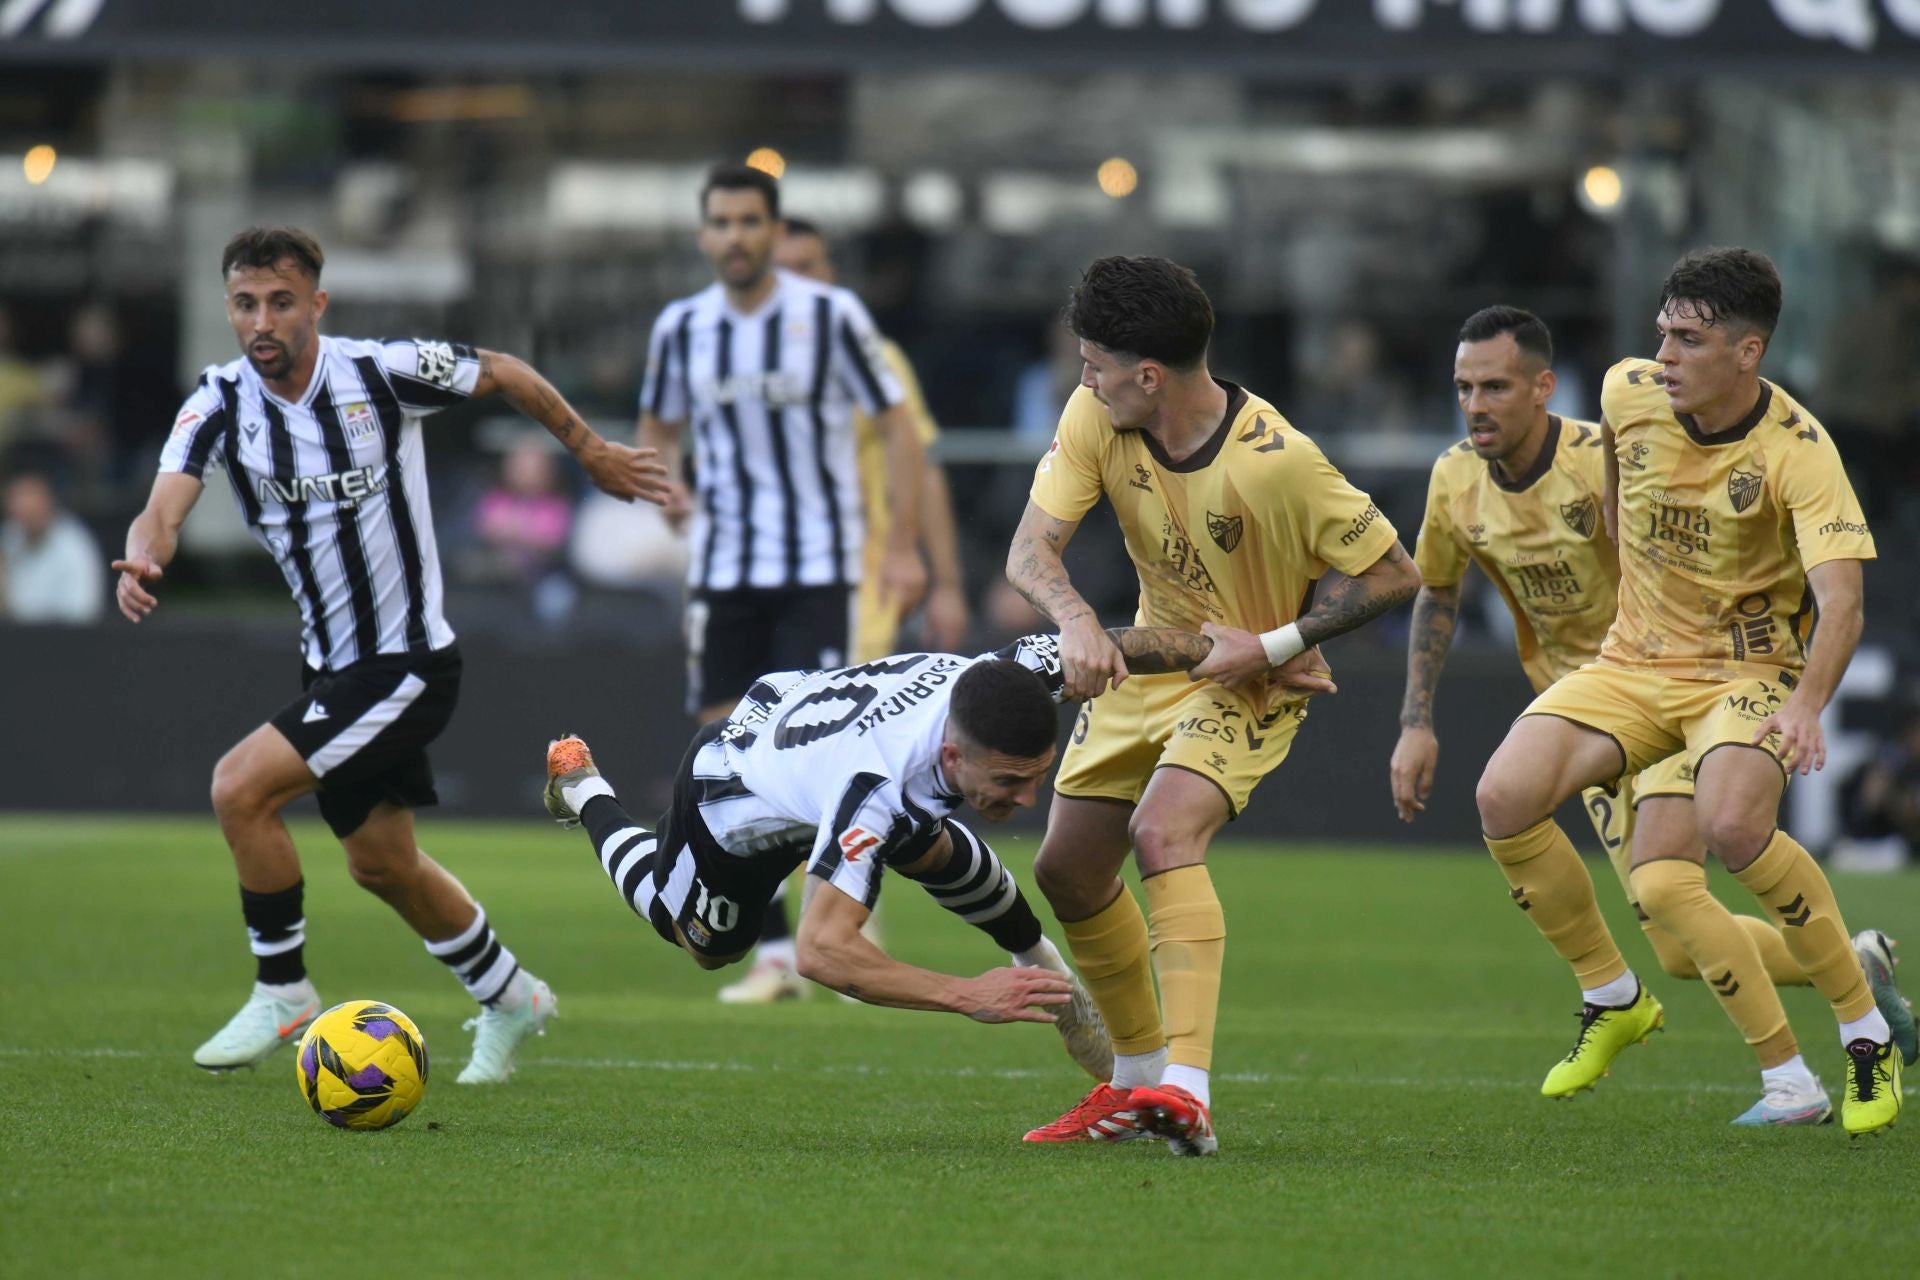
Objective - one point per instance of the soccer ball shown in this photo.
(362, 1065)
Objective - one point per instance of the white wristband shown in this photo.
(1283, 644)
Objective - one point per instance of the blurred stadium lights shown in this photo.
(1018, 204)
(412, 274)
(767, 161)
(137, 192)
(583, 195)
(460, 102)
(933, 200)
(1600, 191)
(1117, 177)
(37, 165)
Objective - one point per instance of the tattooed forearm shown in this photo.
(1042, 579)
(1155, 651)
(1435, 610)
(522, 387)
(1351, 602)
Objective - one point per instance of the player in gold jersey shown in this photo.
(1232, 519)
(1520, 497)
(1735, 518)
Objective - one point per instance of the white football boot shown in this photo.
(1082, 1030)
(523, 1010)
(271, 1017)
(769, 981)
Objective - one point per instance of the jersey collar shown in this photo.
(1739, 430)
(1202, 457)
(1542, 461)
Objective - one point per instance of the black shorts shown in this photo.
(364, 731)
(718, 899)
(735, 637)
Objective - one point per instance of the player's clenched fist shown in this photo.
(1011, 995)
(1089, 660)
(135, 601)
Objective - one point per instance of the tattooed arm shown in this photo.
(1411, 770)
(1154, 651)
(1091, 662)
(614, 468)
(1348, 603)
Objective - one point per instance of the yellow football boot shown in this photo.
(1873, 1088)
(1604, 1032)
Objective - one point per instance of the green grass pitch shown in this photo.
(1386, 1020)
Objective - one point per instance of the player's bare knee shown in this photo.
(1160, 844)
(1060, 882)
(1735, 837)
(1507, 807)
(236, 794)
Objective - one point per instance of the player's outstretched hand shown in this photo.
(1803, 746)
(625, 472)
(1412, 770)
(1090, 662)
(1012, 995)
(135, 601)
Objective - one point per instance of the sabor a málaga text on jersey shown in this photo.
(335, 486)
(1540, 539)
(1717, 532)
(843, 765)
(770, 398)
(1236, 533)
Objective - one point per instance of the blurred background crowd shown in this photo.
(1345, 220)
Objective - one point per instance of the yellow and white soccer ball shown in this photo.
(362, 1065)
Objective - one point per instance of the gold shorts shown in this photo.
(875, 625)
(1611, 811)
(1152, 722)
(1650, 717)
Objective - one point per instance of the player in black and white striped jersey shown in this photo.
(321, 440)
(766, 368)
(857, 772)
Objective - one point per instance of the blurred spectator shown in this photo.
(626, 544)
(54, 570)
(523, 521)
(1882, 805)
(1348, 385)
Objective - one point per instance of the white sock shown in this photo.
(1872, 1026)
(778, 952)
(1791, 1072)
(576, 794)
(1131, 1070)
(1613, 995)
(1042, 955)
(1192, 1079)
(285, 990)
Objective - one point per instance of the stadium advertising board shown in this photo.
(1295, 36)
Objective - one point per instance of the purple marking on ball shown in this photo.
(369, 1078)
(310, 1061)
(380, 1028)
(338, 1119)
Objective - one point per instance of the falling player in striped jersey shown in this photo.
(1735, 517)
(1520, 497)
(321, 439)
(856, 772)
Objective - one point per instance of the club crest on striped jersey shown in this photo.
(361, 422)
(1743, 487)
(1582, 516)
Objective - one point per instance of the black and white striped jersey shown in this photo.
(335, 486)
(769, 398)
(843, 766)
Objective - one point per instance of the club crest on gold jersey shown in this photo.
(1582, 516)
(1743, 487)
(1226, 530)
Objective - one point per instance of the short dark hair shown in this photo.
(804, 227)
(1143, 308)
(741, 177)
(1529, 330)
(268, 247)
(1725, 286)
(1002, 706)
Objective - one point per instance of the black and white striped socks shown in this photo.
(277, 933)
(478, 958)
(975, 886)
